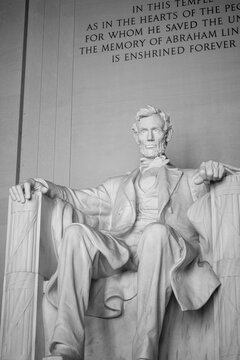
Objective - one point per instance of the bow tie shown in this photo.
(158, 162)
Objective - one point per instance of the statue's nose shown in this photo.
(150, 135)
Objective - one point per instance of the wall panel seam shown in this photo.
(73, 62)
(22, 89)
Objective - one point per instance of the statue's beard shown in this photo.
(152, 152)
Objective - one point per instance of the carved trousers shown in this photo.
(80, 261)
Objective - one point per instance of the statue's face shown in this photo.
(151, 136)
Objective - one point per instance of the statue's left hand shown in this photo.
(210, 171)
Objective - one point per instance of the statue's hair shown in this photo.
(150, 110)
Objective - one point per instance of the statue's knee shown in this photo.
(155, 234)
(73, 235)
(72, 231)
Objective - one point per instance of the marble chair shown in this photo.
(213, 332)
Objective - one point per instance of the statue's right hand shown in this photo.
(24, 191)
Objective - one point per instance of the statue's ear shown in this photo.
(135, 133)
(169, 134)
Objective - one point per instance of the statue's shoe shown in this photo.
(53, 357)
(63, 352)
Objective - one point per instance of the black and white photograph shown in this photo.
(120, 180)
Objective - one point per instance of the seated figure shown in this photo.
(135, 222)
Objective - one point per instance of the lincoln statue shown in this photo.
(138, 222)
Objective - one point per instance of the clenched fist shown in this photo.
(210, 171)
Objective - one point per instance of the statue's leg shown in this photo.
(157, 252)
(76, 267)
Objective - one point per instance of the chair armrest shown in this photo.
(30, 245)
(30, 258)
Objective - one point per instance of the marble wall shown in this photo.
(79, 105)
(12, 14)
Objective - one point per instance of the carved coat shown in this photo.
(111, 208)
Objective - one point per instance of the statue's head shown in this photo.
(152, 131)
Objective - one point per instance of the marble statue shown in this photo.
(135, 222)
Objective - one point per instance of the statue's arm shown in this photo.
(91, 201)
